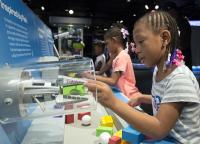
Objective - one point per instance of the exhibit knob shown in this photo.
(8, 101)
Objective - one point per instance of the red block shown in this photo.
(69, 119)
(80, 115)
(114, 140)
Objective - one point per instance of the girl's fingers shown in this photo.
(93, 85)
(96, 82)
(130, 103)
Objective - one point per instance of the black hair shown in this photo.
(115, 32)
(99, 43)
(156, 20)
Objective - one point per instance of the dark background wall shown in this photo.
(195, 45)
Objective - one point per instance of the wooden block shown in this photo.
(131, 135)
(101, 129)
(106, 121)
(80, 115)
(124, 142)
(69, 119)
(118, 134)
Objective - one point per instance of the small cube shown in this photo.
(131, 135)
(124, 142)
(114, 140)
(101, 129)
(69, 118)
(118, 134)
(80, 115)
(106, 121)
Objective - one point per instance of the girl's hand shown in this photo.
(87, 75)
(135, 100)
(104, 94)
(139, 98)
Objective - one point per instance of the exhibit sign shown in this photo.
(23, 36)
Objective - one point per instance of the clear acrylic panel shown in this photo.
(45, 89)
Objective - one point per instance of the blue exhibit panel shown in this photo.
(23, 35)
(23, 39)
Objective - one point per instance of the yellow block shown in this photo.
(118, 133)
(124, 142)
(106, 121)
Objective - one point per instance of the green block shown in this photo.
(101, 129)
(76, 89)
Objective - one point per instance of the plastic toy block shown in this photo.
(106, 121)
(101, 129)
(131, 135)
(114, 140)
(75, 89)
(80, 115)
(124, 142)
(69, 119)
(118, 134)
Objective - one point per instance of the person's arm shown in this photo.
(110, 80)
(157, 127)
(146, 99)
(143, 98)
(106, 67)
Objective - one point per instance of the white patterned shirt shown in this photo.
(180, 86)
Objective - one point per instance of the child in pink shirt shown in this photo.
(126, 82)
(122, 70)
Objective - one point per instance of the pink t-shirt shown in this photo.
(126, 82)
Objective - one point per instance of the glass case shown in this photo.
(45, 89)
(70, 40)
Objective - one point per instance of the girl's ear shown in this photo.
(165, 37)
(114, 39)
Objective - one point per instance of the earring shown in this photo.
(167, 62)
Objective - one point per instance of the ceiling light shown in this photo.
(42, 8)
(121, 21)
(146, 7)
(88, 27)
(71, 12)
(128, 0)
(134, 15)
(156, 7)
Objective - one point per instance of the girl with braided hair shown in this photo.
(175, 95)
